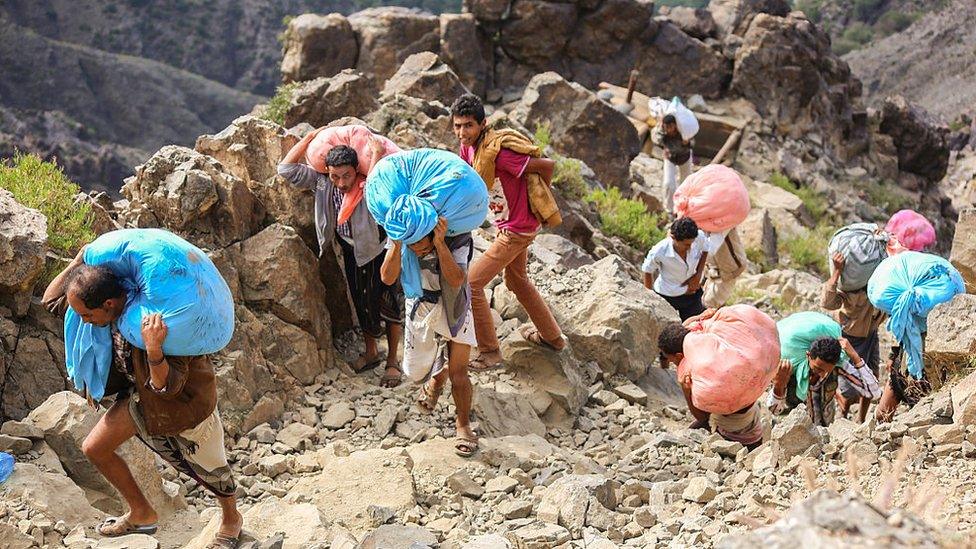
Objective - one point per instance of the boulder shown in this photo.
(795, 434)
(647, 182)
(394, 536)
(466, 51)
(414, 123)
(606, 38)
(505, 410)
(487, 541)
(951, 338)
(786, 211)
(785, 67)
(102, 209)
(536, 31)
(52, 494)
(338, 415)
(488, 11)
(699, 490)
(388, 35)
(695, 22)
(964, 400)
(317, 45)
(674, 63)
(15, 445)
(425, 76)
(320, 101)
(734, 16)
(557, 251)
(295, 434)
(828, 515)
(23, 247)
(301, 522)
(566, 501)
(347, 486)
(66, 419)
(555, 377)
(34, 370)
(796, 290)
(921, 140)
(610, 318)
(250, 148)
(963, 255)
(572, 112)
(192, 195)
(758, 233)
(538, 535)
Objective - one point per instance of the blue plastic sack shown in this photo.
(796, 333)
(163, 274)
(6, 466)
(406, 192)
(908, 286)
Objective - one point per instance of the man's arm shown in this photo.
(542, 166)
(649, 280)
(57, 288)
(694, 283)
(377, 152)
(167, 376)
(829, 298)
(452, 272)
(390, 269)
(292, 167)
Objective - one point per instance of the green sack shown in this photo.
(796, 333)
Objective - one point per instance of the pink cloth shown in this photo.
(714, 197)
(909, 230)
(732, 358)
(510, 204)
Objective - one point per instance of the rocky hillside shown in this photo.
(931, 63)
(854, 24)
(584, 448)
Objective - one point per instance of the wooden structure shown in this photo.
(718, 136)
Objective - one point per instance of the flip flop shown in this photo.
(223, 541)
(530, 334)
(428, 398)
(479, 364)
(114, 527)
(368, 365)
(465, 446)
(390, 381)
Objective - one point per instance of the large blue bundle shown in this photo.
(408, 191)
(908, 286)
(162, 273)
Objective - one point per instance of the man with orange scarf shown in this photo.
(340, 210)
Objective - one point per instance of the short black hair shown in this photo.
(469, 104)
(95, 285)
(826, 349)
(341, 155)
(671, 340)
(669, 119)
(684, 228)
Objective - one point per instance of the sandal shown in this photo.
(427, 400)
(366, 365)
(479, 364)
(530, 334)
(389, 380)
(223, 541)
(114, 527)
(465, 446)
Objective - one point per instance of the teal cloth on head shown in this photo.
(796, 333)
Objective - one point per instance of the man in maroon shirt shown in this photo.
(517, 227)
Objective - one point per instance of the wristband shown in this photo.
(156, 362)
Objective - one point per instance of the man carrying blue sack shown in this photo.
(169, 402)
(428, 202)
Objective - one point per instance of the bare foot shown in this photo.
(231, 524)
(486, 360)
(366, 362)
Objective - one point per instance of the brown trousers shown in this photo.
(508, 254)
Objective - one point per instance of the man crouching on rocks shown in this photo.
(169, 402)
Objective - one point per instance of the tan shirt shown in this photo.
(188, 397)
(852, 310)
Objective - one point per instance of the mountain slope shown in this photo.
(932, 62)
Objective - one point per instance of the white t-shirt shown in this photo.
(672, 271)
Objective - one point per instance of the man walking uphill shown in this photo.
(522, 202)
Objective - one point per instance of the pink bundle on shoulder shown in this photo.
(732, 358)
(714, 197)
(355, 136)
(909, 231)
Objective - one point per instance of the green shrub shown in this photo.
(43, 186)
(885, 195)
(809, 250)
(758, 258)
(814, 202)
(859, 33)
(279, 104)
(812, 9)
(567, 175)
(627, 218)
(895, 21)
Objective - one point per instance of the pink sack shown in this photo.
(354, 136)
(732, 358)
(714, 197)
(909, 230)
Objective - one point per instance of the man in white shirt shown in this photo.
(674, 267)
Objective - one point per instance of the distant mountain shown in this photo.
(932, 62)
(853, 24)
